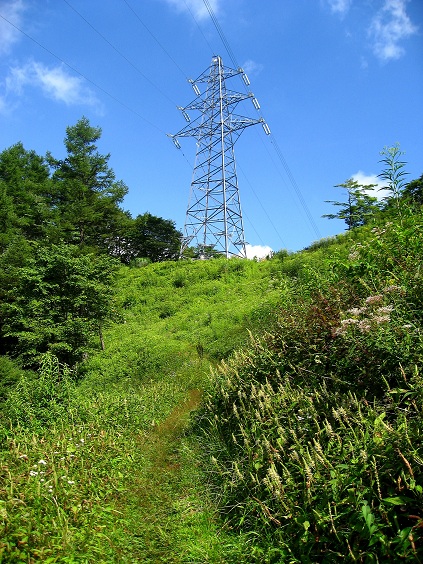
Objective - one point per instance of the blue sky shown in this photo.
(337, 81)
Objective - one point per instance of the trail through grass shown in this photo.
(166, 507)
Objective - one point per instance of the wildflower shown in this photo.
(23, 457)
(385, 309)
(393, 288)
(350, 321)
(357, 310)
(43, 462)
(33, 473)
(381, 319)
(364, 326)
(374, 299)
(71, 482)
(354, 255)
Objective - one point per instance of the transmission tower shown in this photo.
(213, 220)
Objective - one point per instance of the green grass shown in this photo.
(241, 412)
(121, 482)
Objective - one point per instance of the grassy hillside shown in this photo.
(305, 441)
(92, 465)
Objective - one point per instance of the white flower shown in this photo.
(374, 299)
(71, 482)
(43, 462)
(33, 473)
(385, 309)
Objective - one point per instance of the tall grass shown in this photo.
(313, 433)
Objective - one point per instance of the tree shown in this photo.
(155, 238)
(359, 207)
(53, 298)
(85, 191)
(24, 193)
(413, 191)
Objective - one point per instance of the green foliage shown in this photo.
(40, 400)
(24, 188)
(312, 433)
(413, 192)
(55, 299)
(86, 195)
(360, 206)
(394, 174)
(10, 373)
(154, 238)
(116, 486)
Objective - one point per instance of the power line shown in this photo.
(82, 75)
(155, 38)
(272, 138)
(199, 28)
(119, 52)
(262, 207)
(221, 34)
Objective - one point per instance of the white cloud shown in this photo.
(366, 179)
(389, 26)
(54, 82)
(252, 68)
(258, 251)
(12, 10)
(340, 6)
(197, 7)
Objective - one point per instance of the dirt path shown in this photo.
(168, 518)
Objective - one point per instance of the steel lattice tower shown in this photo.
(214, 218)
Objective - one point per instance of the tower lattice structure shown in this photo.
(213, 220)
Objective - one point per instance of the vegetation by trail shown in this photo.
(204, 411)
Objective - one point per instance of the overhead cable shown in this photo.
(272, 138)
(82, 75)
(155, 38)
(118, 52)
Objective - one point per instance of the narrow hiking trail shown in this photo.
(169, 520)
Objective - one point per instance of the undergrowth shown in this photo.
(313, 432)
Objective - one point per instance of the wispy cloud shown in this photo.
(54, 82)
(339, 6)
(196, 7)
(12, 10)
(391, 25)
(252, 68)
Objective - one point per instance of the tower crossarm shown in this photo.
(230, 124)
